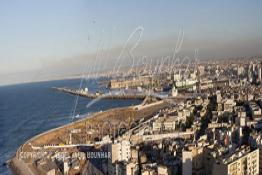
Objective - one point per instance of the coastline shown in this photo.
(19, 167)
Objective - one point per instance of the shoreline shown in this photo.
(19, 167)
(14, 163)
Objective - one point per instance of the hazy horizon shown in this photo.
(44, 40)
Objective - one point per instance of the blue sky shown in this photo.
(34, 32)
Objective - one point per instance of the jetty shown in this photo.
(86, 94)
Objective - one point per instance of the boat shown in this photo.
(77, 116)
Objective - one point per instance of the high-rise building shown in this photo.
(240, 70)
(250, 72)
(243, 161)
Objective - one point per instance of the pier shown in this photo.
(100, 95)
(140, 96)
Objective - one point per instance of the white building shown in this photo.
(242, 161)
(174, 92)
(121, 151)
(229, 105)
(219, 98)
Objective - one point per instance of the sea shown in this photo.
(32, 108)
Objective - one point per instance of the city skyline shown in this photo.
(41, 40)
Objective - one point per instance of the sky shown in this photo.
(46, 37)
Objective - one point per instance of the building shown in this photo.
(66, 167)
(259, 72)
(201, 70)
(130, 83)
(241, 119)
(169, 124)
(242, 161)
(132, 168)
(229, 105)
(174, 92)
(188, 83)
(163, 170)
(221, 83)
(206, 84)
(177, 77)
(240, 70)
(187, 162)
(198, 101)
(149, 172)
(218, 97)
(157, 124)
(255, 111)
(260, 158)
(193, 160)
(165, 123)
(120, 151)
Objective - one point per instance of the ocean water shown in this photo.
(32, 108)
